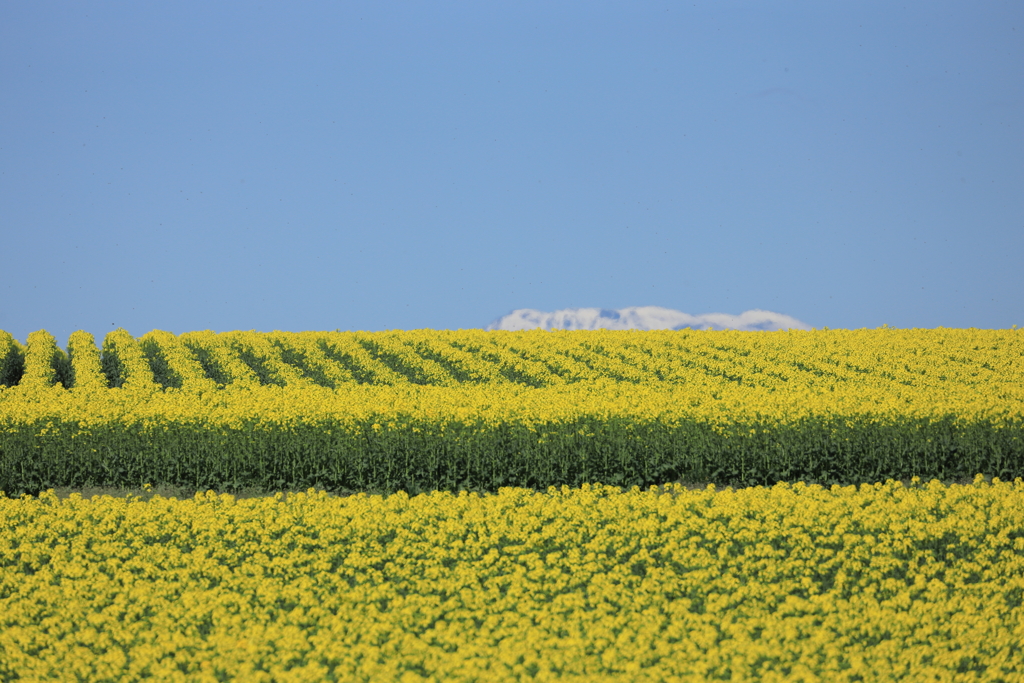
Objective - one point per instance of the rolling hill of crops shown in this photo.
(426, 410)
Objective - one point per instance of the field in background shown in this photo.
(473, 410)
(512, 563)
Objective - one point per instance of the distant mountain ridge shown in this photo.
(643, 318)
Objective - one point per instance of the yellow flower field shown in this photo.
(788, 583)
(518, 580)
(424, 410)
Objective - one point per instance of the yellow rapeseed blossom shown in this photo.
(793, 582)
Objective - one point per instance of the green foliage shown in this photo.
(387, 454)
(12, 360)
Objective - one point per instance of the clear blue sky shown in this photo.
(386, 165)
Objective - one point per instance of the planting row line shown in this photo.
(198, 361)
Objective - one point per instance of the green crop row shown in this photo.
(397, 452)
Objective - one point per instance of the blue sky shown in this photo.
(368, 166)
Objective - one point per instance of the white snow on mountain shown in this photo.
(643, 318)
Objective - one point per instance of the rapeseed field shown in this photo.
(492, 506)
(787, 583)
